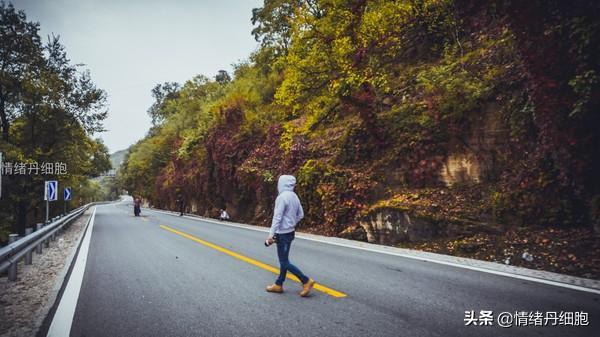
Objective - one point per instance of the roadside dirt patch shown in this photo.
(570, 251)
(25, 303)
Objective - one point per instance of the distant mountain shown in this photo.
(117, 158)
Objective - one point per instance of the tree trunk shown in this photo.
(4, 118)
(19, 226)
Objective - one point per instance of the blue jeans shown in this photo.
(284, 244)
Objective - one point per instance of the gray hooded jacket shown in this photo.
(288, 210)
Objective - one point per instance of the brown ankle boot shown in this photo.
(307, 287)
(275, 288)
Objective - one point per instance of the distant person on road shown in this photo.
(137, 206)
(223, 215)
(180, 203)
(288, 212)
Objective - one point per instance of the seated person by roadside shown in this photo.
(223, 215)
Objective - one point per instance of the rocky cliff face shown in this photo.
(475, 156)
(391, 226)
(396, 225)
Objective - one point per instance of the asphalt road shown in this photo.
(142, 279)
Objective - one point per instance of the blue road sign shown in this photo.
(51, 190)
(67, 194)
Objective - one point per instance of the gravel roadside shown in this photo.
(25, 303)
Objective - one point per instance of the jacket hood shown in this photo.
(286, 183)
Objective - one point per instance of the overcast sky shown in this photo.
(131, 45)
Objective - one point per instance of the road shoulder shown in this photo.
(27, 302)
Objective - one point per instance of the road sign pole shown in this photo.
(66, 197)
(50, 194)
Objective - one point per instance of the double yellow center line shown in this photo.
(251, 261)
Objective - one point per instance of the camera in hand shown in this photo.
(267, 244)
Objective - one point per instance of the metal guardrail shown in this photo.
(23, 247)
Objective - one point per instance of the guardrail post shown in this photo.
(12, 270)
(38, 249)
(29, 254)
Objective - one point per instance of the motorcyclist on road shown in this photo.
(137, 204)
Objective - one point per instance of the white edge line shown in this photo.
(484, 270)
(63, 318)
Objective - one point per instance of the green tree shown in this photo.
(49, 109)
(222, 77)
(162, 94)
(20, 57)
